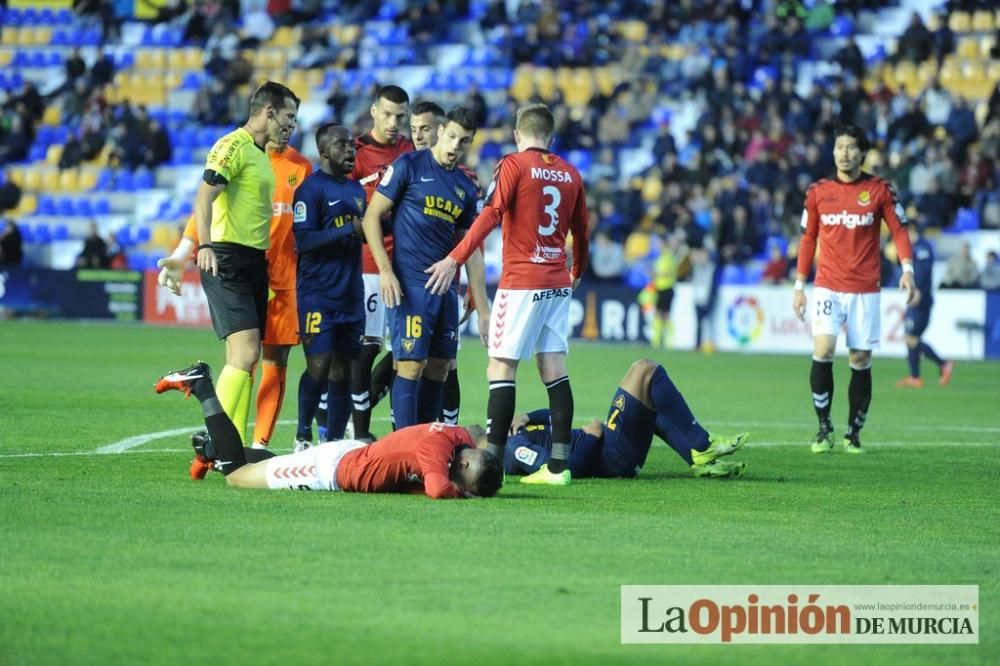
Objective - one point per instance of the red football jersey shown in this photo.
(370, 162)
(537, 198)
(846, 219)
(410, 460)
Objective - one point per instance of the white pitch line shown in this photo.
(812, 424)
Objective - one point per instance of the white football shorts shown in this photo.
(524, 322)
(312, 469)
(374, 308)
(860, 314)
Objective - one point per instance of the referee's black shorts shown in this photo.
(237, 296)
(664, 299)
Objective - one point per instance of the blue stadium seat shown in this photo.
(37, 153)
(192, 81)
(27, 236)
(60, 37)
(142, 235)
(123, 237)
(124, 181)
(732, 274)
(966, 219)
(63, 17)
(842, 26)
(60, 232)
(46, 205)
(137, 262)
(144, 180)
(105, 181)
(12, 17)
(581, 159)
(20, 59)
(181, 156)
(66, 207)
(36, 59)
(102, 206)
(125, 60)
(54, 59)
(30, 16)
(42, 234)
(84, 208)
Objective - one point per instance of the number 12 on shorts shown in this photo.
(313, 320)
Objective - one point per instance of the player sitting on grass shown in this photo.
(646, 403)
(439, 460)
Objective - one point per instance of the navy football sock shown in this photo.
(929, 352)
(309, 393)
(668, 401)
(913, 357)
(675, 439)
(338, 409)
(404, 402)
(361, 383)
(429, 401)
(382, 376)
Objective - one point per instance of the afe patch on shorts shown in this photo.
(525, 455)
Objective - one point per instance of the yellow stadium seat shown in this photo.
(5, 57)
(606, 78)
(982, 21)
(195, 58)
(177, 60)
(27, 205)
(350, 34)
(986, 44)
(150, 59)
(162, 235)
(173, 79)
(297, 80)
(545, 82)
(637, 246)
(523, 86)
(993, 72)
(634, 31)
(286, 36)
(53, 154)
(42, 36)
(69, 180)
(8, 37)
(960, 22)
(968, 47)
(950, 71)
(49, 181)
(88, 180)
(32, 179)
(52, 115)
(16, 174)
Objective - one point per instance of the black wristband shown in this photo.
(205, 246)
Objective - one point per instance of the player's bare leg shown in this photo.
(821, 383)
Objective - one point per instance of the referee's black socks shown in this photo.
(499, 415)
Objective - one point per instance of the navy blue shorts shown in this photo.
(916, 321)
(323, 330)
(628, 434)
(424, 325)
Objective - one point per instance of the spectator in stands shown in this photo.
(95, 251)
(75, 66)
(103, 71)
(776, 270)
(737, 239)
(936, 206)
(990, 277)
(18, 138)
(318, 49)
(937, 103)
(850, 58)
(607, 257)
(158, 147)
(11, 245)
(916, 43)
(911, 125)
(961, 271)
(10, 193)
(943, 39)
(258, 26)
(961, 127)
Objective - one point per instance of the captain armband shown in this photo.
(214, 178)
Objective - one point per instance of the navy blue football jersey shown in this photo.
(429, 204)
(329, 265)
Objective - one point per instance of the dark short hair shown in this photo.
(535, 120)
(490, 476)
(273, 94)
(393, 94)
(855, 133)
(427, 106)
(464, 116)
(323, 134)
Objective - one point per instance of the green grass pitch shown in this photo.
(121, 559)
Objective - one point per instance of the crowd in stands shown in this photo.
(729, 179)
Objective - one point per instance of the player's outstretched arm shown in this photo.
(476, 269)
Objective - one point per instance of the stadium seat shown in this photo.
(28, 205)
(102, 207)
(968, 47)
(84, 208)
(49, 181)
(47, 205)
(982, 20)
(53, 154)
(68, 180)
(41, 234)
(960, 22)
(88, 180)
(60, 232)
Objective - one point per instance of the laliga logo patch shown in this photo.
(408, 344)
(864, 198)
(525, 455)
(299, 212)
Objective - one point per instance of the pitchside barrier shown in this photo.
(965, 324)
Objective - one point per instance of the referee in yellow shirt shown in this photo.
(233, 209)
(664, 279)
